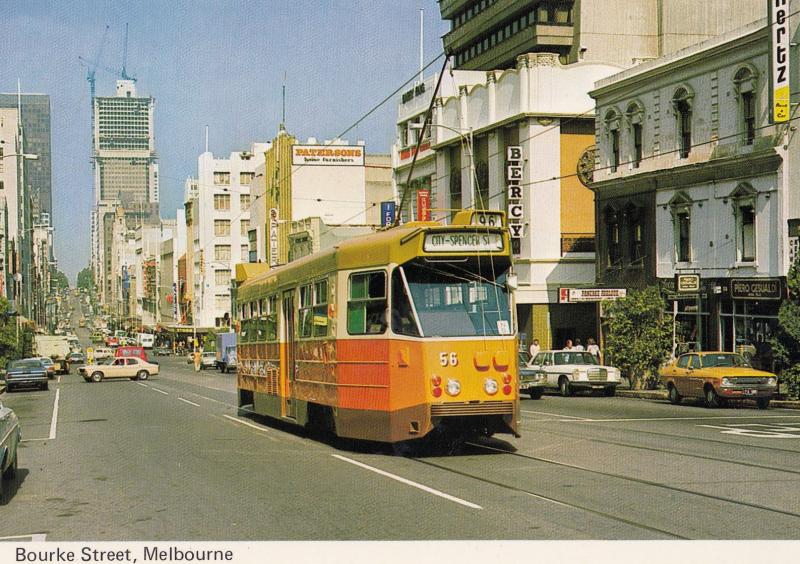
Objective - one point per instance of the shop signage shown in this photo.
(462, 242)
(687, 283)
(514, 190)
(580, 295)
(779, 48)
(423, 205)
(756, 288)
(387, 213)
(273, 237)
(328, 155)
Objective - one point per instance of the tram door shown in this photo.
(289, 409)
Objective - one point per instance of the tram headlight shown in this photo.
(453, 387)
(771, 381)
(490, 386)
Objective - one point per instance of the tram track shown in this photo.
(583, 507)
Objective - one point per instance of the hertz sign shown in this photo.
(779, 43)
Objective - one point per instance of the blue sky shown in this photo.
(211, 63)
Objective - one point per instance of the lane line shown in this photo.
(59, 380)
(409, 482)
(160, 391)
(189, 402)
(54, 420)
(703, 418)
(143, 385)
(237, 420)
(35, 537)
(553, 414)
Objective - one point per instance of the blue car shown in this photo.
(26, 373)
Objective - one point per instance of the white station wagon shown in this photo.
(575, 370)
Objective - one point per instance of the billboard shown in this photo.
(328, 155)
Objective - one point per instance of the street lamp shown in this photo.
(466, 139)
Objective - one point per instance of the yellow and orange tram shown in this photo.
(386, 337)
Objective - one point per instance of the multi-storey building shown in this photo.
(125, 171)
(695, 189)
(10, 183)
(218, 221)
(489, 34)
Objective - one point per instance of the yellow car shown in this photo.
(717, 377)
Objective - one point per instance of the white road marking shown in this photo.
(143, 385)
(160, 391)
(704, 418)
(35, 537)
(59, 380)
(749, 430)
(409, 482)
(237, 420)
(54, 420)
(554, 414)
(189, 402)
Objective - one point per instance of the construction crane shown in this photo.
(91, 66)
(124, 73)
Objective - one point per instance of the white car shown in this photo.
(569, 371)
(102, 352)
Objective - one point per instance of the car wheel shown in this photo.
(563, 386)
(674, 397)
(763, 403)
(97, 376)
(536, 393)
(142, 375)
(609, 392)
(711, 397)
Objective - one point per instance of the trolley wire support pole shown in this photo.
(425, 125)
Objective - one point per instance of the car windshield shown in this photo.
(723, 359)
(451, 300)
(574, 358)
(524, 357)
(27, 363)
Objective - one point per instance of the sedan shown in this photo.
(10, 437)
(570, 370)
(717, 377)
(208, 360)
(26, 373)
(123, 367)
(76, 358)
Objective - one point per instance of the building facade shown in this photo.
(694, 189)
(125, 172)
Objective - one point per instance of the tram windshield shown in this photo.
(450, 300)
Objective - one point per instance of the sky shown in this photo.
(216, 63)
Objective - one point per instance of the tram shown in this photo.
(389, 337)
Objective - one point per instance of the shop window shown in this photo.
(366, 305)
(682, 104)
(745, 81)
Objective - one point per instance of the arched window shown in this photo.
(745, 84)
(682, 104)
(744, 210)
(681, 209)
(612, 123)
(612, 237)
(635, 116)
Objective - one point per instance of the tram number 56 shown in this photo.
(448, 359)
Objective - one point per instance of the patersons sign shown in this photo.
(328, 155)
(756, 289)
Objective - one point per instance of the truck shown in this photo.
(226, 351)
(52, 346)
(145, 340)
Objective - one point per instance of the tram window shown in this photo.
(366, 307)
(272, 318)
(403, 322)
(320, 320)
(304, 327)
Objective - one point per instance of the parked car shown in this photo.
(717, 377)
(531, 380)
(131, 351)
(131, 367)
(569, 371)
(10, 437)
(208, 360)
(26, 373)
(162, 351)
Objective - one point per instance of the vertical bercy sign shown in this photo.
(779, 44)
(513, 178)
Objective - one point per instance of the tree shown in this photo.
(786, 341)
(209, 343)
(86, 280)
(638, 336)
(59, 281)
(15, 342)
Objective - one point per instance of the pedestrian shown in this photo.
(568, 345)
(578, 345)
(592, 347)
(534, 348)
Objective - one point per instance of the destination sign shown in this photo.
(462, 242)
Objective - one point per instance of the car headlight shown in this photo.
(453, 387)
(490, 386)
(726, 382)
(771, 381)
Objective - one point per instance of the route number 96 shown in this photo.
(448, 359)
